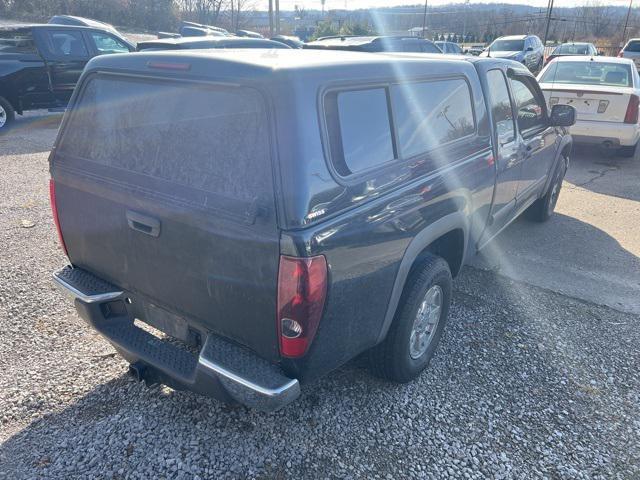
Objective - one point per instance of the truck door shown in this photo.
(537, 137)
(507, 150)
(66, 54)
(25, 80)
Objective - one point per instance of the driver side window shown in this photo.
(531, 111)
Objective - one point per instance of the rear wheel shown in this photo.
(417, 327)
(7, 115)
(542, 209)
(628, 151)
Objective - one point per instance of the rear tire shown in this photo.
(417, 327)
(7, 115)
(542, 209)
(628, 151)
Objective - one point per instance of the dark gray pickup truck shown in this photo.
(274, 213)
(40, 64)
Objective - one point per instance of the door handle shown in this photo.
(143, 223)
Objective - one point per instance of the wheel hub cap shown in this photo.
(3, 116)
(426, 322)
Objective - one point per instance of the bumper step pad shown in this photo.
(222, 369)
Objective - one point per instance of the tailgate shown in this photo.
(165, 189)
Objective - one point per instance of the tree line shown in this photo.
(153, 15)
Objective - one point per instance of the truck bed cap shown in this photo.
(245, 62)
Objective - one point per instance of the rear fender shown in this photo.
(448, 223)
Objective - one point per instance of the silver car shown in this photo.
(632, 50)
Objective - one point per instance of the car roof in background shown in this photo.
(354, 40)
(208, 41)
(81, 21)
(588, 58)
(514, 37)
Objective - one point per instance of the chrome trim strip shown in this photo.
(293, 386)
(75, 293)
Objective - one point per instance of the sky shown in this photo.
(355, 4)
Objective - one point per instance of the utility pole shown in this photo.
(626, 22)
(546, 29)
(277, 17)
(464, 22)
(424, 19)
(270, 18)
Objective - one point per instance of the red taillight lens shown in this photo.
(302, 287)
(632, 110)
(54, 211)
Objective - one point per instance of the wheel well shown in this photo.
(449, 246)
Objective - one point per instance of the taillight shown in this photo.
(632, 110)
(302, 287)
(54, 211)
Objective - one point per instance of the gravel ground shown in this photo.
(527, 383)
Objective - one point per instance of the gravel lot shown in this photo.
(528, 383)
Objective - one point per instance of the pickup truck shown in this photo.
(238, 223)
(40, 64)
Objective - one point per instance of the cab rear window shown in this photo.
(17, 41)
(202, 137)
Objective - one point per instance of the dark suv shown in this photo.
(275, 213)
(526, 49)
(40, 64)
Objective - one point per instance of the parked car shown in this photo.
(374, 44)
(605, 93)
(631, 50)
(526, 49)
(290, 41)
(192, 29)
(40, 64)
(191, 43)
(449, 47)
(83, 22)
(248, 33)
(475, 50)
(573, 49)
(278, 215)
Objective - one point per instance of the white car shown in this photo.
(605, 92)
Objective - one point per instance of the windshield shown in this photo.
(507, 46)
(589, 73)
(570, 49)
(633, 47)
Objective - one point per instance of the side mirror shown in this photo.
(562, 116)
(529, 49)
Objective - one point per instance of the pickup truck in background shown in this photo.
(275, 215)
(41, 64)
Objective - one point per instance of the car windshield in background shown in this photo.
(507, 46)
(633, 47)
(589, 73)
(572, 50)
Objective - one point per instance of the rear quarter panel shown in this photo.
(371, 224)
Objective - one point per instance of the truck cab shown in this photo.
(41, 64)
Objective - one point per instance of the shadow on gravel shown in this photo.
(569, 256)
(526, 383)
(615, 176)
(34, 133)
